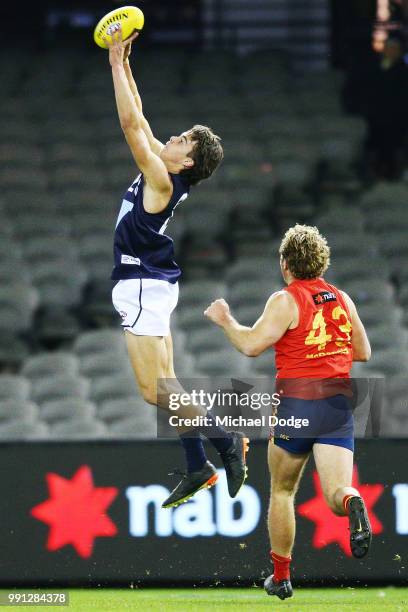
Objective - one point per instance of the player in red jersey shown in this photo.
(317, 334)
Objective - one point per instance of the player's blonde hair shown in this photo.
(305, 251)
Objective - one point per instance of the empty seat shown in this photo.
(185, 364)
(252, 293)
(49, 364)
(96, 308)
(395, 426)
(383, 194)
(51, 249)
(55, 327)
(214, 220)
(12, 269)
(112, 387)
(100, 341)
(201, 292)
(366, 290)
(264, 268)
(14, 387)
(387, 336)
(133, 428)
(248, 315)
(77, 175)
(78, 429)
(23, 430)
(127, 407)
(224, 362)
(32, 179)
(67, 409)
(62, 386)
(189, 319)
(42, 203)
(18, 303)
(264, 364)
(374, 313)
(205, 339)
(89, 224)
(340, 219)
(70, 152)
(98, 262)
(13, 351)
(396, 387)
(104, 364)
(346, 269)
(18, 409)
(112, 410)
(59, 283)
(391, 361)
(32, 225)
(22, 295)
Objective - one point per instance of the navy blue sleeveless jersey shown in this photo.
(141, 248)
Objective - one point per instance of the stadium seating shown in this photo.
(289, 154)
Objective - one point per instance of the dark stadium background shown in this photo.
(283, 83)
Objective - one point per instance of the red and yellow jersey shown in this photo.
(320, 346)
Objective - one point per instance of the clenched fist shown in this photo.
(218, 312)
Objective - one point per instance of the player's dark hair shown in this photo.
(207, 154)
(305, 251)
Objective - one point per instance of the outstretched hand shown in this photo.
(119, 49)
(128, 47)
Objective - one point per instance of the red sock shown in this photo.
(346, 500)
(281, 569)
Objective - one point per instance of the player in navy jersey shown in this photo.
(147, 290)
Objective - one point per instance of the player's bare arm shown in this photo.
(155, 144)
(279, 315)
(359, 339)
(158, 184)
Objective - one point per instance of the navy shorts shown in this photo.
(330, 421)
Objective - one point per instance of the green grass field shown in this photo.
(200, 599)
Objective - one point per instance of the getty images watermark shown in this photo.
(228, 399)
(258, 406)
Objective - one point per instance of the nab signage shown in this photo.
(207, 514)
(84, 513)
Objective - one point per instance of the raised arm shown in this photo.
(269, 328)
(155, 145)
(131, 121)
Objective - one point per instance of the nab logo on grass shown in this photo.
(76, 511)
(330, 528)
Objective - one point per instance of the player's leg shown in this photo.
(231, 446)
(286, 469)
(145, 306)
(148, 358)
(334, 464)
(190, 438)
(152, 360)
(335, 468)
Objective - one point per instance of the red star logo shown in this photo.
(331, 528)
(75, 511)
